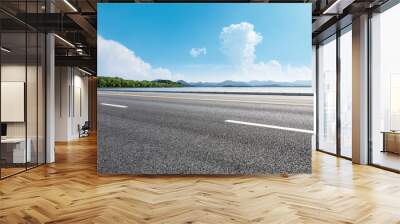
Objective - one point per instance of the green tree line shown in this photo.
(116, 82)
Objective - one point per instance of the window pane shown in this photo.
(13, 86)
(346, 93)
(327, 96)
(386, 89)
(31, 98)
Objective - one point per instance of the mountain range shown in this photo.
(254, 83)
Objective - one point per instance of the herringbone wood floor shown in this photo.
(70, 191)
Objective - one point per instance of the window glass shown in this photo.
(327, 96)
(14, 153)
(346, 94)
(385, 84)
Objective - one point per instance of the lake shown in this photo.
(307, 90)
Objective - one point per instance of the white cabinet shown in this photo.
(19, 154)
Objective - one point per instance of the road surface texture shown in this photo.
(190, 133)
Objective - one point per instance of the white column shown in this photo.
(50, 99)
(360, 90)
(50, 92)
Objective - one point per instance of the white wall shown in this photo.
(71, 87)
(13, 101)
(62, 85)
(79, 110)
(81, 83)
(14, 72)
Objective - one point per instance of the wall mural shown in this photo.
(204, 89)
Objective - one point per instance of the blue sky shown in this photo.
(205, 42)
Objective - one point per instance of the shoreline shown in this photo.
(207, 92)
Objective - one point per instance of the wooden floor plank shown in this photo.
(70, 191)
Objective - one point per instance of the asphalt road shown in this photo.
(188, 133)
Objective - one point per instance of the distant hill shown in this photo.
(103, 82)
(117, 82)
(253, 83)
(183, 83)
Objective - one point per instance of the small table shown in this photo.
(18, 151)
(391, 141)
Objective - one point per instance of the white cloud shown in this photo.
(114, 59)
(195, 52)
(272, 70)
(238, 43)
